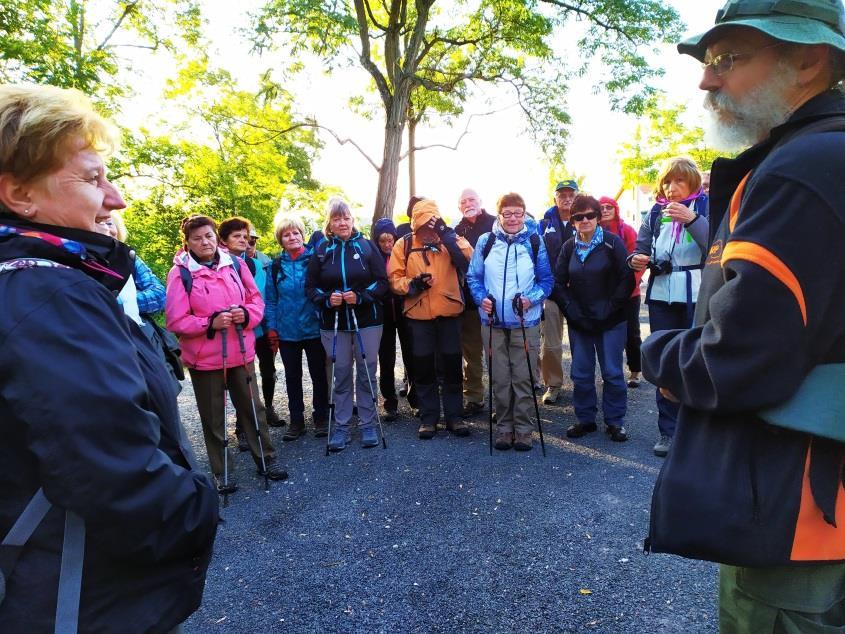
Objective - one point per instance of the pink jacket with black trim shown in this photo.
(214, 289)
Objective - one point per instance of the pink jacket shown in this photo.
(213, 290)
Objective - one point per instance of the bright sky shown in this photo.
(495, 157)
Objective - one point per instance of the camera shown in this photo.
(660, 267)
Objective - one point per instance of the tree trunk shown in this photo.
(412, 158)
(389, 173)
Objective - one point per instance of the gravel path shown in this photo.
(437, 536)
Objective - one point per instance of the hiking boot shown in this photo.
(273, 419)
(458, 427)
(243, 444)
(523, 441)
(504, 440)
(634, 380)
(296, 429)
(427, 431)
(551, 396)
(321, 428)
(225, 489)
(390, 414)
(339, 440)
(471, 409)
(617, 433)
(274, 471)
(662, 446)
(369, 437)
(580, 429)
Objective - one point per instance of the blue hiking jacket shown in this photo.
(509, 269)
(287, 308)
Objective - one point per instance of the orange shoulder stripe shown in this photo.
(815, 539)
(761, 256)
(736, 199)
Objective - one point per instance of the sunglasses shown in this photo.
(252, 241)
(582, 217)
(608, 208)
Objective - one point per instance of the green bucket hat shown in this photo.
(798, 21)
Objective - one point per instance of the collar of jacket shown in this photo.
(727, 173)
(520, 236)
(100, 257)
(183, 258)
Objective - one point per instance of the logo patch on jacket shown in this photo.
(714, 256)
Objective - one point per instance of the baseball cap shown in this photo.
(797, 21)
(570, 184)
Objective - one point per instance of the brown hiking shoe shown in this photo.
(458, 427)
(321, 428)
(523, 441)
(296, 429)
(504, 441)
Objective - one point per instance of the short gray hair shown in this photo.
(337, 207)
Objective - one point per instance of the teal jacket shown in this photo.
(287, 309)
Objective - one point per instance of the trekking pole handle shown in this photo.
(517, 304)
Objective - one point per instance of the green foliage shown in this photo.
(664, 134)
(74, 44)
(242, 161)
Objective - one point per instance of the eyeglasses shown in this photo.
(252, 241)
(724, 63)
(512, 214)
(592, 215)
(608, 208)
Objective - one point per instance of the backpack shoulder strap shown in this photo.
(187, 280)
(408, 239)
(834, 123)
(236, 264)
(488, 245)
(250, 264)
(277, 273)
(535, 247)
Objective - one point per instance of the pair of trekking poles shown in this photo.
(366, 368)
(225, 489)
(520, 311)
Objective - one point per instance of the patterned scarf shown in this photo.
(583, 249)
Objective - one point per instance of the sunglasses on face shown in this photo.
(252, 241)
(592, 215)
(608, 208)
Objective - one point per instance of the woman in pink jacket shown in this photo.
(612, 221)
(211, 295)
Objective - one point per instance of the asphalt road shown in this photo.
(438, 536)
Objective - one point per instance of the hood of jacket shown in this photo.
(100, 257)
(186, 260)
(424, 211)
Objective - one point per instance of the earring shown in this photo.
(26, 212)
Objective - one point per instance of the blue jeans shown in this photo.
(608, 346)
(666, 316)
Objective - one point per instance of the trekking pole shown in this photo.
(240, 330)
(369, 378)
(226, 489)
(491, 319)
(331, 393)
(520, 310)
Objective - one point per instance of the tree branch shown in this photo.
(460, 138)
(592, 17)
(372, 17)
(366, 58)
(126, 11)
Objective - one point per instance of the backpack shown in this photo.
(533, 238)
(73, 549)
(188, 280)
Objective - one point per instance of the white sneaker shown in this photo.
(551, 396)
(661, 448)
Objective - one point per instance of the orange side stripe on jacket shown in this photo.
(815, 539)
(761, 256)
(736, 199)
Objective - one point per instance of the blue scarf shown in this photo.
(582, 249)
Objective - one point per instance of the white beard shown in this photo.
(734, 124)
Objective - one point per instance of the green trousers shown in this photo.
(783, 599)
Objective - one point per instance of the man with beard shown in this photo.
(754, 480)
(475, 223)
(556, 230)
